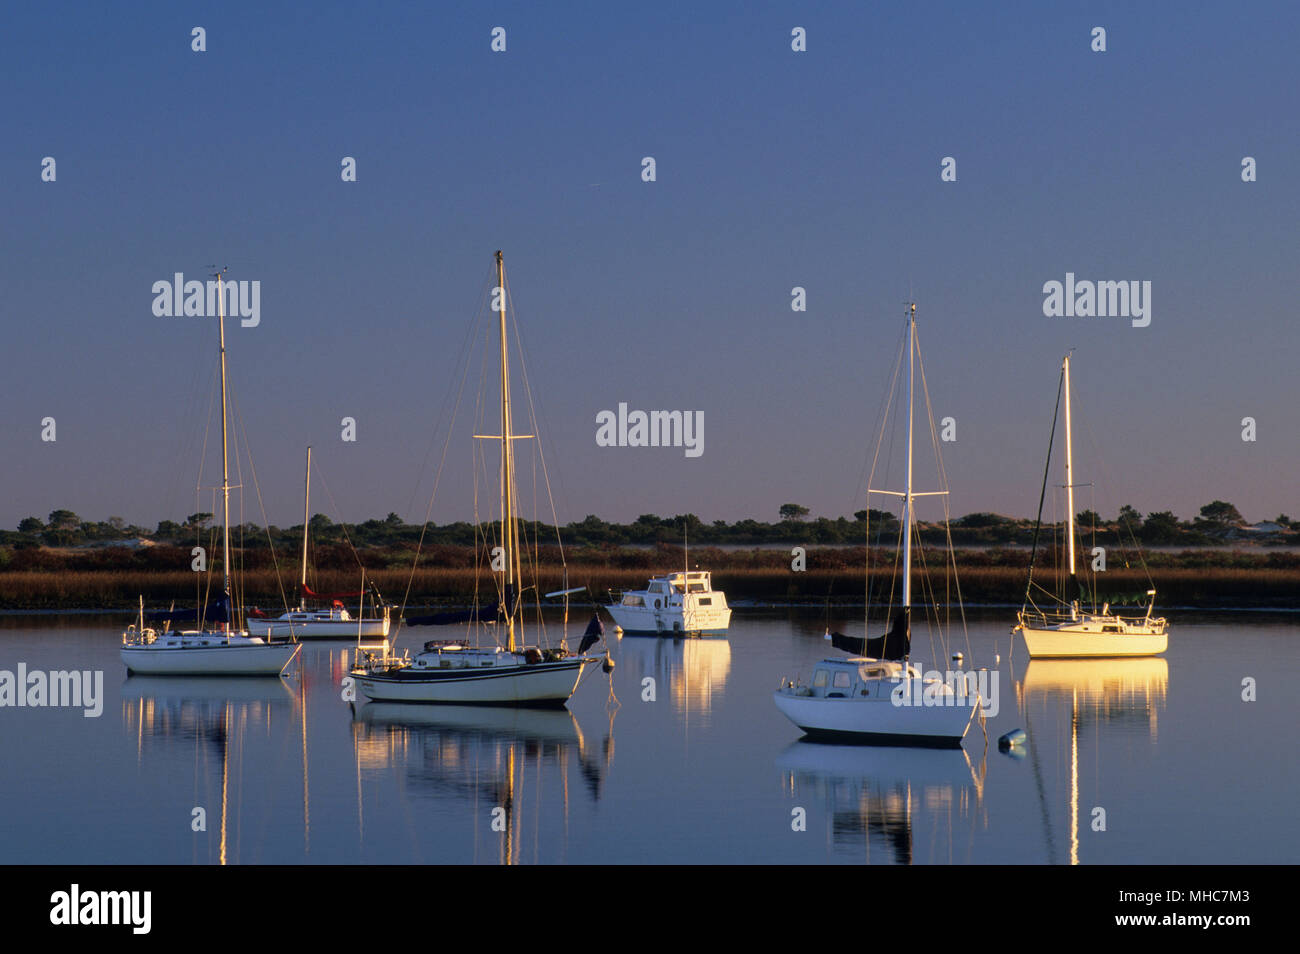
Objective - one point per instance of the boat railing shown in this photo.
(368, 660)
(134, 637)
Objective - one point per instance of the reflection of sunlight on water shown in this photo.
(694, 670)
(215, 716)
(1091, 694)
(518, 761)
(1119, 691)
(873, 795)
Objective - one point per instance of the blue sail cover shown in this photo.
(894, 645)
(595, 630)
(216, 612)
(456, 616)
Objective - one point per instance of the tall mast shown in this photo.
(306, 512)
(907, 496)
(507, 469)
(225, 464)
(1069, 465)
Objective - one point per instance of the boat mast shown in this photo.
(507, 469)
(306, 510)
(1069, 466)
(907, 495)
(225, 464)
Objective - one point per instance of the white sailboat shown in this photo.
(882, 698)
(332, 623)
(225, 651)
(1072, 631)
(453, 671)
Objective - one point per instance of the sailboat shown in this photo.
(225, 651)
(332, 623)
(454, 672)
(877, 696)
(1072, 631)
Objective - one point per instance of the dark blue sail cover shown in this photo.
(473, 615)
(216, 612)
(595, 630)
(894, 645)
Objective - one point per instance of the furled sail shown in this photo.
(895, 644)
(216, 612)
(474, 615)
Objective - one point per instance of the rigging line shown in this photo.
(238, 583)
(1105, 471)
(947, 507)
(337, 513)
(1042, 494)
(883, 418)
(186, 443)
(533, 420)
(275, 563)
(462, 359)
(438, 474)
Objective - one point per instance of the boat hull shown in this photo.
(320, 629)
(645, 621)
(1066, 643)
(266, 659)
(876, 721)
(538, 684)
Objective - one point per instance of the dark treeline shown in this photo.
(1217, 524)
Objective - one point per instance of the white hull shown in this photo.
(511, 722)
(1061, 643)
(645, 621)
(548, 683)
(877, 720)
(375, 629)
(239, 659)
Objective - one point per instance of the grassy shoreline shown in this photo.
(1218, 579)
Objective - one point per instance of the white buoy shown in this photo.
(957, 657)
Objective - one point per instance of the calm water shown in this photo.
(709, 771)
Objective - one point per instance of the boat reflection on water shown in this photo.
(873, 795)
(214, 716)
(693, 671)
(1080, 699)
(519, 760)
(1128, 692)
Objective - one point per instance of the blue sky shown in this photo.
(774, 169)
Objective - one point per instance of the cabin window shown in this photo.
(656, 588)
(633, 601)
(697, 587)
(819, 679)
(842, 680)
(706, 601)
(1110, 629)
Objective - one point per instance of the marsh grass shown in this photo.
(62, 580)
